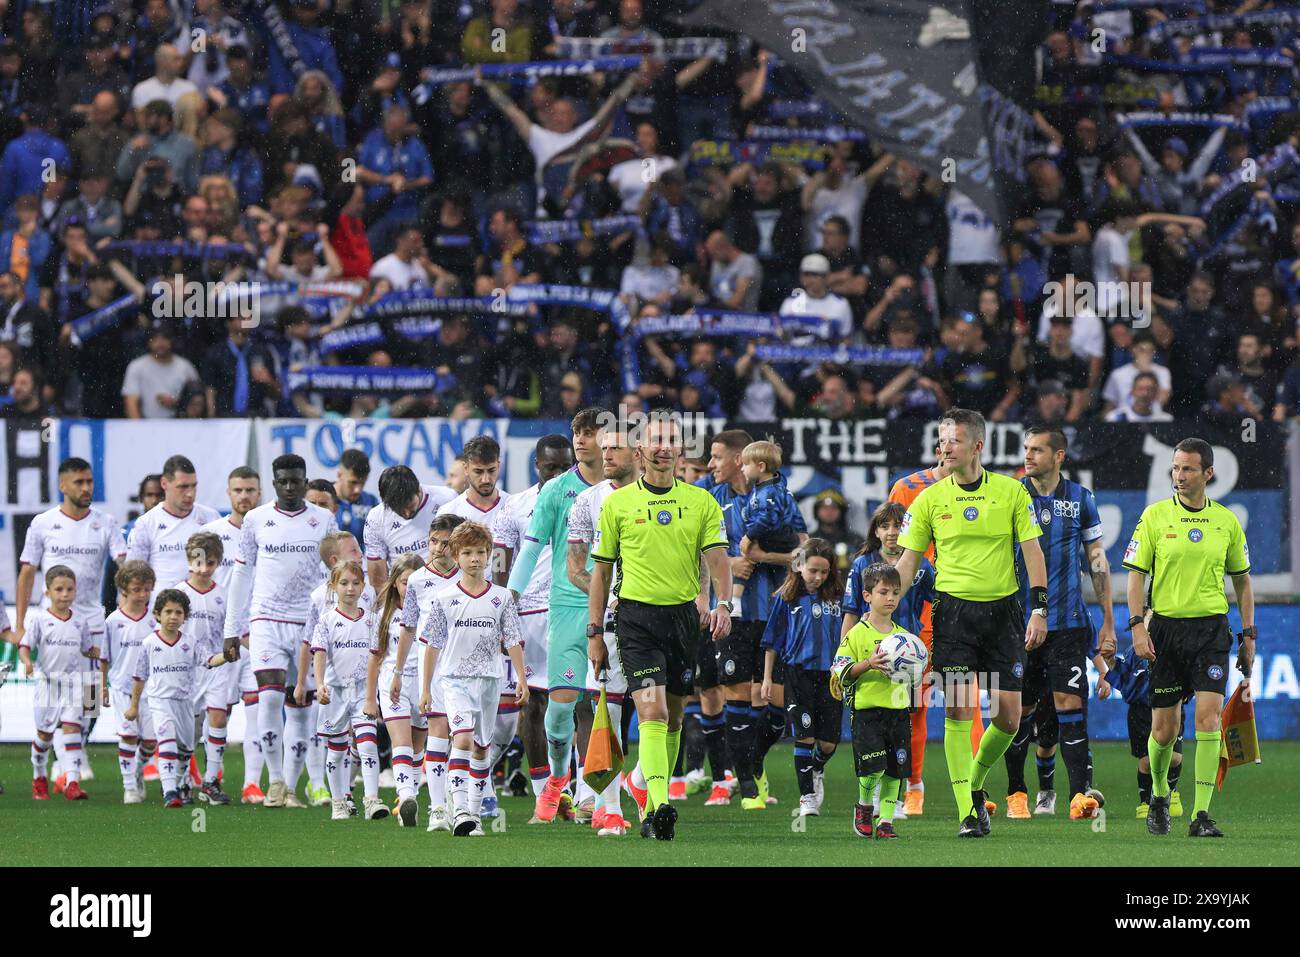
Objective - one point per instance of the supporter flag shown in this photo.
(604, 758)
(1240, 740)
(944, 83)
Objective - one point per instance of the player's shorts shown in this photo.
(615, 679)
(566, 648)
(173, 720)
(653, 644)
(982, 637)
(408, 701)
(534, 625)
(810, 706)
(343, 710)
(245, 682)
(94, 619)
(142, 726)
(1065, 660)
(60, 699)
(739, 656)
(706, 661)
(212, 688)
(437, 707)
(273, 646)
(882, 741)
(472, 706)
(1191, 656)
(1139, 729)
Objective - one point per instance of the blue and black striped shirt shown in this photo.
(1069, 520)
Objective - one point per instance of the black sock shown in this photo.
(1174, 771)
(1046, 773)
(693, 738)
(679, 769)
(1144, 787)
(1016, 754)
(713, 731)
(625, 725)
(770, 722)
(1074, 749)
(740, 744)
(821, 758)
(804, 762)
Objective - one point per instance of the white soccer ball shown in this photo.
(906, 658)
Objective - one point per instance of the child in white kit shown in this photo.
(166, 675)
(124, 632)
(341, 651)
(62, 642)
(469, 625)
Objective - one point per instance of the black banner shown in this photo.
(943, 83)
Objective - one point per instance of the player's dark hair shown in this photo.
(178, 463)
(734, 440)
(388, 602)
(587, 420)
(73, 464)
(972, 420)
(880, 572)
(397, 486)
(244, 472)
(59, 571)
(446, 523)
(793, 587)
(151, 477)
(482, 449)
(1201, 448)
(206, 542)
(171, 596)
(552, 443)
(356, 462)
(134, 570)
(885, 512)
(1056, 439)
(1151, 375)
(287, 462)
(324, 485)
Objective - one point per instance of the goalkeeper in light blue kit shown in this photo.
(882, 732)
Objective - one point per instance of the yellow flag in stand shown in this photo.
(604, 758)
(1239, 743)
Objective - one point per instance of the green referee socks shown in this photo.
(1160, 755)
(1207, 768)
(956, 749)
(653, 758)
(993, 745)
(673, 739)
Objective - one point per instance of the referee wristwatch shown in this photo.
(1247, 631)
(594, 631)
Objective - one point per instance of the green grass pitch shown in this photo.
(1256, 810)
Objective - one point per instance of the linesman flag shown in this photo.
(1239, 743)
(604, 759)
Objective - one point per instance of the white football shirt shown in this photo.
(470, 631)
(346, 643)
(584, 517)
(279, 560)
(169, 670)
(423, 584)
(462, 506)
(509, 526)
(159, 538)
(83, 544)
(322, 601)
(388, 536)
(59, 644)
(207, 616)
(123, 636)
(228, 532)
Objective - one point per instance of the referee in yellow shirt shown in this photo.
(657, 529)
(975, 518)
(1186, 543)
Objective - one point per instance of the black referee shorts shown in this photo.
(982, 637)
(1191, 656)
(654, 643)
(812, 709)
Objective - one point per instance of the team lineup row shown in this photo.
(513, 638)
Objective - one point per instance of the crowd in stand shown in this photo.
(150, 144)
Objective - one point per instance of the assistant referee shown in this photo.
(657, 529)
(975, 518)
(1186, 543)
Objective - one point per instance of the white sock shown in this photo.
(918, 786)
(270, 724)
(336, 765)
(68, 747)
(638, 778)
(368, 749)
(253, 759)
(297, 736)
(315, 748)
(40, 759)
(610, 797)
(479, 771)
(435, 770)
(503, 732)
(583, 790)
(169, 770)
(126, 760)
(404, 771)
(458, 779)
(214, 752)
(537, 778)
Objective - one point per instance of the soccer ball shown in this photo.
(906, 658)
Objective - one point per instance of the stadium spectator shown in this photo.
(26, 159)
(1142, 404)
(166, 84)
(154, 382)
(814, 300)
(1119, 384)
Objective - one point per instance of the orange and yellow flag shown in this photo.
(1239, 743)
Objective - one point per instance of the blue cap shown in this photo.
(393, 61)
(1177, 145)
